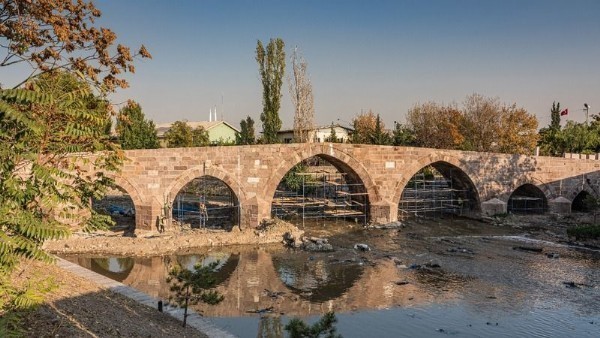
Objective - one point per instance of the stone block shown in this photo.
(493, 207)
(560, 205)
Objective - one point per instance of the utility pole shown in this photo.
(586, 107)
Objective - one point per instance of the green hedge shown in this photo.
(585, 232)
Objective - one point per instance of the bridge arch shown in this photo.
(528, 198)
(123, 185)
(341, 160)
(236, 190)
(199, 171)
(449, 167)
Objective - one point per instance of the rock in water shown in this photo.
(361, 247)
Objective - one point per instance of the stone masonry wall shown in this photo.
(153, 177)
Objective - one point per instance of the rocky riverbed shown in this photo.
(161, 243)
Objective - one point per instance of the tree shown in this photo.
(246, 134)
(380, 135)
(43, 188)
(271, 69)
(200, 137)
(549, 137)
(181, 135)
(134, 130)
(436, 126)
(403, 136)
(60, 34)
(580, 138)
(364, 127)
(518, 131)
(332, 135)
(325, 326)
(192, 287)
(482, 124)
(302, 98)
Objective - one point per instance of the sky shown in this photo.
(385, 56)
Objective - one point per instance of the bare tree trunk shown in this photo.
(302, 98)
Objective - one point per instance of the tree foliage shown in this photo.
(55, 153)
(403, 136)
(324, 327)
(436, 126)
(481, 124)
(134, 130)
(182, 135)
(43, 186)
(364, 127)
(193, 287)
(271, 64)
(574, 137)
(369, 129)
(246, 134)
(549, 137)
(60, 34)
(302, 98)
(332, 135)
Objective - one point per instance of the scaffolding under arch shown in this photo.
(206, 202)
(323, 195)
(432, 195)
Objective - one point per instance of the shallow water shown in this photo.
(456, 277)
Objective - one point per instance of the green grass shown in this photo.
(585, 232)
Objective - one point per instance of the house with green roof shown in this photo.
(219, 132)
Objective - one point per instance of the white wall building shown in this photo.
(319, 134)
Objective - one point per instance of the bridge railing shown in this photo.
(582, 156)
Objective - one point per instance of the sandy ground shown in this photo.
(80, 308)
(155, 243)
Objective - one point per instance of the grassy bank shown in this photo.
(584, 232)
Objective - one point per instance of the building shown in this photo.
(219, 132)
(319, 134)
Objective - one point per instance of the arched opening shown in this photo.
(583, 202)
(317, 280)
(321, 188)
(206, 202)
(116, 268)
(118, 204)
(527, 199)
(226, 263)
(436, 190)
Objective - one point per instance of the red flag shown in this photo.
(564, 112)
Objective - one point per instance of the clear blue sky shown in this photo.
(379, 55)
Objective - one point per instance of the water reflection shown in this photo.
(470, 276)
(317, 280)
(116, 268)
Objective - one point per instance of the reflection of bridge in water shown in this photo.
(253, 280)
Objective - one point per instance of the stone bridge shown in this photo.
(152, 178)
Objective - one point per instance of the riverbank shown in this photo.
(78, 307)
(170, 241)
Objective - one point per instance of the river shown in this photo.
(428, 278)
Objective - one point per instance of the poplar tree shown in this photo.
(246, 134)
(302, 98)
(271, 63)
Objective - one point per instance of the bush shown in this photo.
(585, 232)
